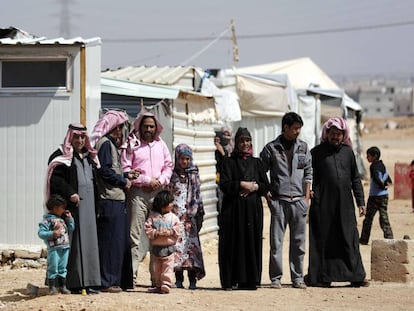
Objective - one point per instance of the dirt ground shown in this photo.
(396, 145)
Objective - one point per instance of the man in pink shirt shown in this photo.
(147, 153)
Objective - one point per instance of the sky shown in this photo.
(343, 37)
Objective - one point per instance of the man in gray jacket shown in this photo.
(289, 161)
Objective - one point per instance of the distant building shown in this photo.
(404, 101)
(377, 101)
(381, 96)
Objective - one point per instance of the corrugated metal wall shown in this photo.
(200, 137)
(263, 130)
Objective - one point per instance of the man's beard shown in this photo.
(148, 136)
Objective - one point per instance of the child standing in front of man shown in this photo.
(162, 228)
(378, 196)
(188, 206)
(54, 231)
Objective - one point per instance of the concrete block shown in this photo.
(27, 254)
(392, 261)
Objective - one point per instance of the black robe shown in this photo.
(241, 223)
(83, 263)
(334, 254)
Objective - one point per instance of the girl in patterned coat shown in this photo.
(188, 206)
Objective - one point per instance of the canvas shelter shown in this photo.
(263, 100)
(305, 76)
(45, 84)
(267, 91)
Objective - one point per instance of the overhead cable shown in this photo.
(260, 36)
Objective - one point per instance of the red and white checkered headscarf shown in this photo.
(340, 124)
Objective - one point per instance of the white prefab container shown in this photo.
(44, 86)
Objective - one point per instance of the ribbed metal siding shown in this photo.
(200, 137)
(31, 128)
(181, 77)
(263, 130)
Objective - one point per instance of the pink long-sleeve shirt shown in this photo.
(152, 159)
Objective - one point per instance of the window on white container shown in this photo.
(39, 74)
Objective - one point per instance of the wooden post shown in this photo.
(235, 47)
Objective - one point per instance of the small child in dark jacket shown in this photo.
(54, 230)
(378, 197)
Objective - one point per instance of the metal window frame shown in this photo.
(62, 89)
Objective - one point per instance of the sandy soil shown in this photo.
(396, 145)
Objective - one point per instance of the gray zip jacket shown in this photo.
(284, 185)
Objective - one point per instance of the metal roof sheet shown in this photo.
(15, 36)
(156, 75)
(127, 88)
(138, 89)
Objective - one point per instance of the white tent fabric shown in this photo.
(347, 102)
(262, 95)
(350, 103)
(227, 102)
(303, 73)
(309, 109)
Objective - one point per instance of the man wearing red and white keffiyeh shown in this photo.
(71, 174)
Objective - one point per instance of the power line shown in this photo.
(184, 63)
(323, 31)
(259, 36)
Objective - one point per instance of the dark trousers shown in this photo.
(179, 276)
(380, 204)
(114, 245)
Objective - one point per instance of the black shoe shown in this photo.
(112, 289)
(247, 286)
(318, 284)
(363, 283)
(179, 284)
(62, 286)
(92, 291)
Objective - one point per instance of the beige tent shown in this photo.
(303, 73)
(262, 95)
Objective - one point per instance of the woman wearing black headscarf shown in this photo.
(243, 182)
